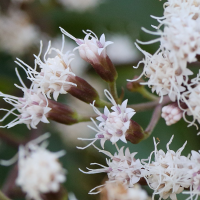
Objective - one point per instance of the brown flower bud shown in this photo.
(62, 113)
(135, 133)
(83, 91)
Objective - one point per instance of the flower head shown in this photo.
(165, 75)
(122, 167)
(91, 48)
(24, 35)
(55, 72)
(168, 174)
(32, 108)
(42, 168)
(113, 125)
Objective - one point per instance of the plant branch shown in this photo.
(113, 90)
(3, 196)
(154, 120)
(149, 105)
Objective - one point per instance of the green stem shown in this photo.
(146, 94)
(3, 197)
(113, 91)
(101, 103)
(86, 118)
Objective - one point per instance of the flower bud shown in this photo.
(62, 113)
(83, 90)
(93, 51)
(135, 133)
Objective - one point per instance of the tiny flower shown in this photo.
(122, 168)
(171, 113)
(168, 174)
(55, 72)
(39, 171)
(117, 191)
(32, 108)
(93, 50)
(113, 125)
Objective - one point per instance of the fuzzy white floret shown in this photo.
(122, 167)
(39, 171)
(113, 124)
(168, 173)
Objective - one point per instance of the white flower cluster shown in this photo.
(39, 171)
(113, 125)
(122, 167)
(43, 170)
(32, 107)
(53, 77)
(168, 174)
(16, 42)
(54, 72)
(167, 69)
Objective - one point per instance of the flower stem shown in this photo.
(149, 105)
(85, 118)
(3, 197)
(154, 120)
(113, 91)
(146, 94)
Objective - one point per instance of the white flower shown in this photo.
(17, 35)
(171, 113)
(39, 170)
(54, 74)
(165, 76)
(117, 191)
(32, 108)
(168, 174)
(113, 125)
(91, 49)
(122, 167)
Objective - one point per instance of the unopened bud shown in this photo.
(171, 113)
(62, 113)
(83, 91)
(135, 133)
